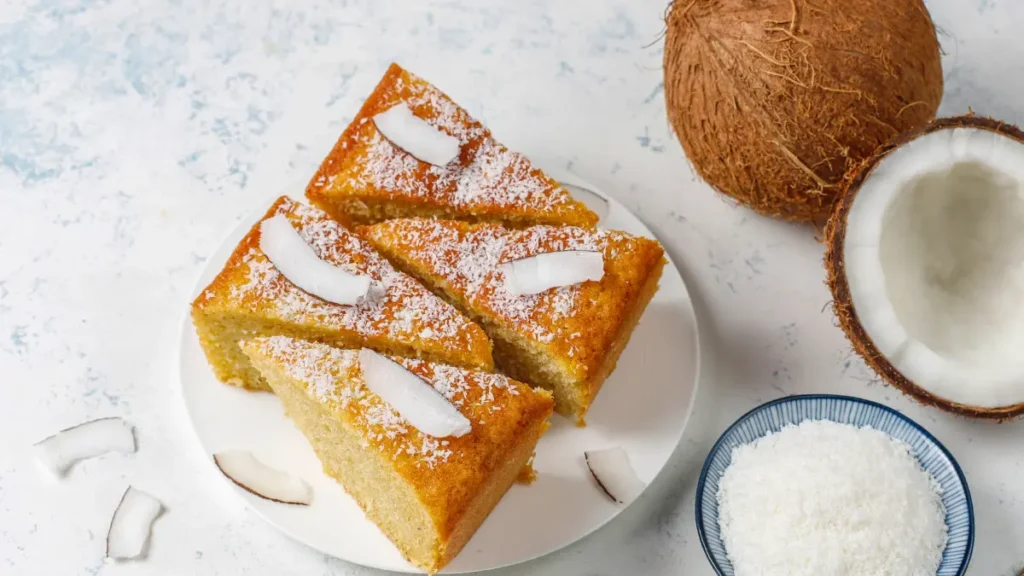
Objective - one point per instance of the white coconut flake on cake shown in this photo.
(541, 272)
(318, 366)
(387, 167)
(495, 176)
(411, 396)
(415, 136)
(343, 249)
(472, 261)
(296, 261)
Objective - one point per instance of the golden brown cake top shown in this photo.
(402, 312)
(446, 472)
(577, 322)
(487, 181)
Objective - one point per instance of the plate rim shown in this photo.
(563, 177)
(701, 482)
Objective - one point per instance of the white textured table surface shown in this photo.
(134, 135)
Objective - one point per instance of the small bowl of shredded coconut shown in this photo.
(823, 485)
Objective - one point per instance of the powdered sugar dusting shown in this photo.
(400, 307)
(334, 376)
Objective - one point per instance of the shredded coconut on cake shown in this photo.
(445, 115)
(500, 177)
(400, 308)
(471, 262)
(333, 376)
(824, 498)
(494, 177)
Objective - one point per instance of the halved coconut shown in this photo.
(926, 265)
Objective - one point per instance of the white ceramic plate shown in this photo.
(643, 407)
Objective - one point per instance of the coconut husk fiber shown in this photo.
(774, 101)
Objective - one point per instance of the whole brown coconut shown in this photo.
(774, 100)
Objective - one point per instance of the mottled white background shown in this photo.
(133, 135)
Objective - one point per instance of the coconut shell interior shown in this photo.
(842, 304)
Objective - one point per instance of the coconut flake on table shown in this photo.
(414, 135)
(414, 399)
(542, 272)
(298, 263)
(614, 474)
(829, 498)
(59, 452)
(246, 471)
(130, 526)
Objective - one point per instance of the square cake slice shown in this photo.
(250, 297)
(367, 178)
(566, 339)
(428, 495)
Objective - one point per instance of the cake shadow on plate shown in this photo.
(619, 408)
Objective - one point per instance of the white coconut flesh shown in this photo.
(934, 258)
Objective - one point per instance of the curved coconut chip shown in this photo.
(842, 304)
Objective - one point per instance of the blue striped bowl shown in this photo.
(771, 417)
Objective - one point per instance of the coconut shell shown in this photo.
(775, 100)
(842, 304)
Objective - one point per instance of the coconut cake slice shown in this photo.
(251, 297)
(428, 495)
(566, 339)
(368, 177)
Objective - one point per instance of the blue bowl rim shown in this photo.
(699, 506)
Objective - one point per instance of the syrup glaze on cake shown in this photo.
(428, 494)
(566, 339)
(249, 297)
(366, 178)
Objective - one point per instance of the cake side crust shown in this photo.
(446, 476)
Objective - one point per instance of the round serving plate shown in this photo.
(643, 407)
